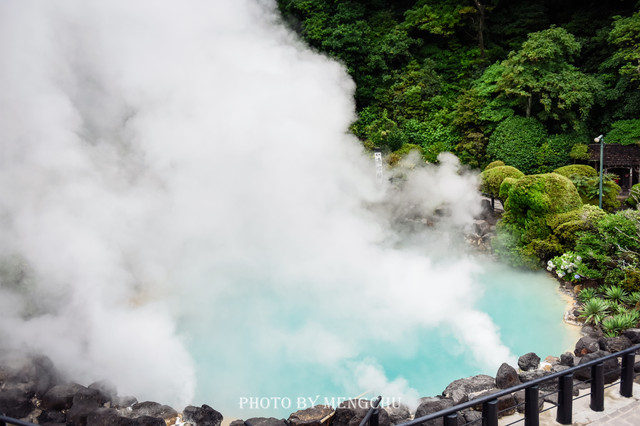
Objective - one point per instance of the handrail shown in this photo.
(565, 378)
(4, 420)
(372, 413)
(489, 402)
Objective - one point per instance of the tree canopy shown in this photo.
(450, 75)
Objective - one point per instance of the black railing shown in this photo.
(4, 421)
(531, 405)
(373, 413)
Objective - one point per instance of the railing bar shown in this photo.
(12, 421)
(548, 408)
(521, 386)
(370, 412)
(581, 396)
(515, 421)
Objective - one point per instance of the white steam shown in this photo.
(179, 193)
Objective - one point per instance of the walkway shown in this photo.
(618, 411)
(628, 415)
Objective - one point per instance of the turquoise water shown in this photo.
(250, 371)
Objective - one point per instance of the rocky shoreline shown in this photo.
(32, 390)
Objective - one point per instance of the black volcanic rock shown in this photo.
(506, 377)
(460, 390)
(60, 397)
(202, 416)
(586, 345)
(430, 406)
(312, 416)
(529, 361)
(84, 402)
(351, 412)
(16, 403)
(265, 421)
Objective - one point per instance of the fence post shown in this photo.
(451, 420)
(626, 375)
(531, 414)
(565, 400)
(490, 413)
(597, 387)
(373, 421)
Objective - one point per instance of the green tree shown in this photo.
(624, 132)
(541, 78)
(625, 35)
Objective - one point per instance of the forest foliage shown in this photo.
(515, 88)
(527, 82)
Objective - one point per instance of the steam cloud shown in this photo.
(179, 195)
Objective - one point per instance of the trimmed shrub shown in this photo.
(555, 152)
(516, 142)
(541, 195)
(505, 187)
(494, 164)
(587, 182)
(531, 201)
(566, 226)
(492, 178)
(581, 170)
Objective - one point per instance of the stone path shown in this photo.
(628, 415)
(618, 411)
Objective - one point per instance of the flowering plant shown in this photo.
(566, 266)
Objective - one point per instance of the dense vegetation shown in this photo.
(526, 82)
(517, 89)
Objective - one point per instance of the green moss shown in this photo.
(543, 249)
(567, 226)
(576, 170)
(587, 213)
(541, 195)
(586, 179)
(505, 187)
(494, 164)
(534, 201)
(492, 178)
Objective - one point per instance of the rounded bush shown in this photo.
(541, 195)
(516, 142)
(566, 226)
(494, 164)
(581, 170)
(505, 187)
(587, 182)
(492, 179)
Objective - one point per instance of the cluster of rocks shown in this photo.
(483, 228)
(530, 367)
(31, 390)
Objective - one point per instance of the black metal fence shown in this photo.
(4, 421)
(532, 411)
(489, 402)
